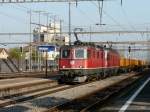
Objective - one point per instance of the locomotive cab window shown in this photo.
(65, 53)
(80, 53)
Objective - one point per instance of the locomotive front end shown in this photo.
(72, 64)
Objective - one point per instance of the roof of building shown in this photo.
(1, 49)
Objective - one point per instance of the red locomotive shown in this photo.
(84, 61)
(79, 63)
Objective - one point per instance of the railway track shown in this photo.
(86, 103)
(21, 93)
(27, 74)
(9, 100)
(41, 94)
(24, 95)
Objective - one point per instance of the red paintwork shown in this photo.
(96, 60)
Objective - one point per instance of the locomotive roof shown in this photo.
(83, 45)
(89, 45)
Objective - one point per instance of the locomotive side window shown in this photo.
(88, 53)
(102, 55)
(79, 53)
(97, 54)
(93, 54)
(108, 57)
(65, 53)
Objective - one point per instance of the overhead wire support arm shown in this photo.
(121, 2)
(100, 8)
(34, 1)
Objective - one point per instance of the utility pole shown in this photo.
(148, 54)
(47, 23)
(30, 45)
(54, 28)
(39, 54)
(61, 32)
(69, 23)
(90, 32)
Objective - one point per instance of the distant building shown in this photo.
(3, 53)
(51, 34)
(46, 36)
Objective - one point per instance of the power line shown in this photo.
(128, 21)
(82, 12)
(88, 32)
(12, 17)
(21, 8)
(110, 17)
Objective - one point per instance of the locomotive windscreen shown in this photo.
(80, 53)
(65, 53)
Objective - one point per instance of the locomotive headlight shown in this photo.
(72, 62)
(63, 66)
(80, 66)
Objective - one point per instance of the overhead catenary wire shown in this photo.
(20, 7)
(26, 9)
(108, 15)
(85, 14)
(130, 23)
(127, 19)
(13, 17)
(37, 1)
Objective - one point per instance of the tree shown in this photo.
(15, 53)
